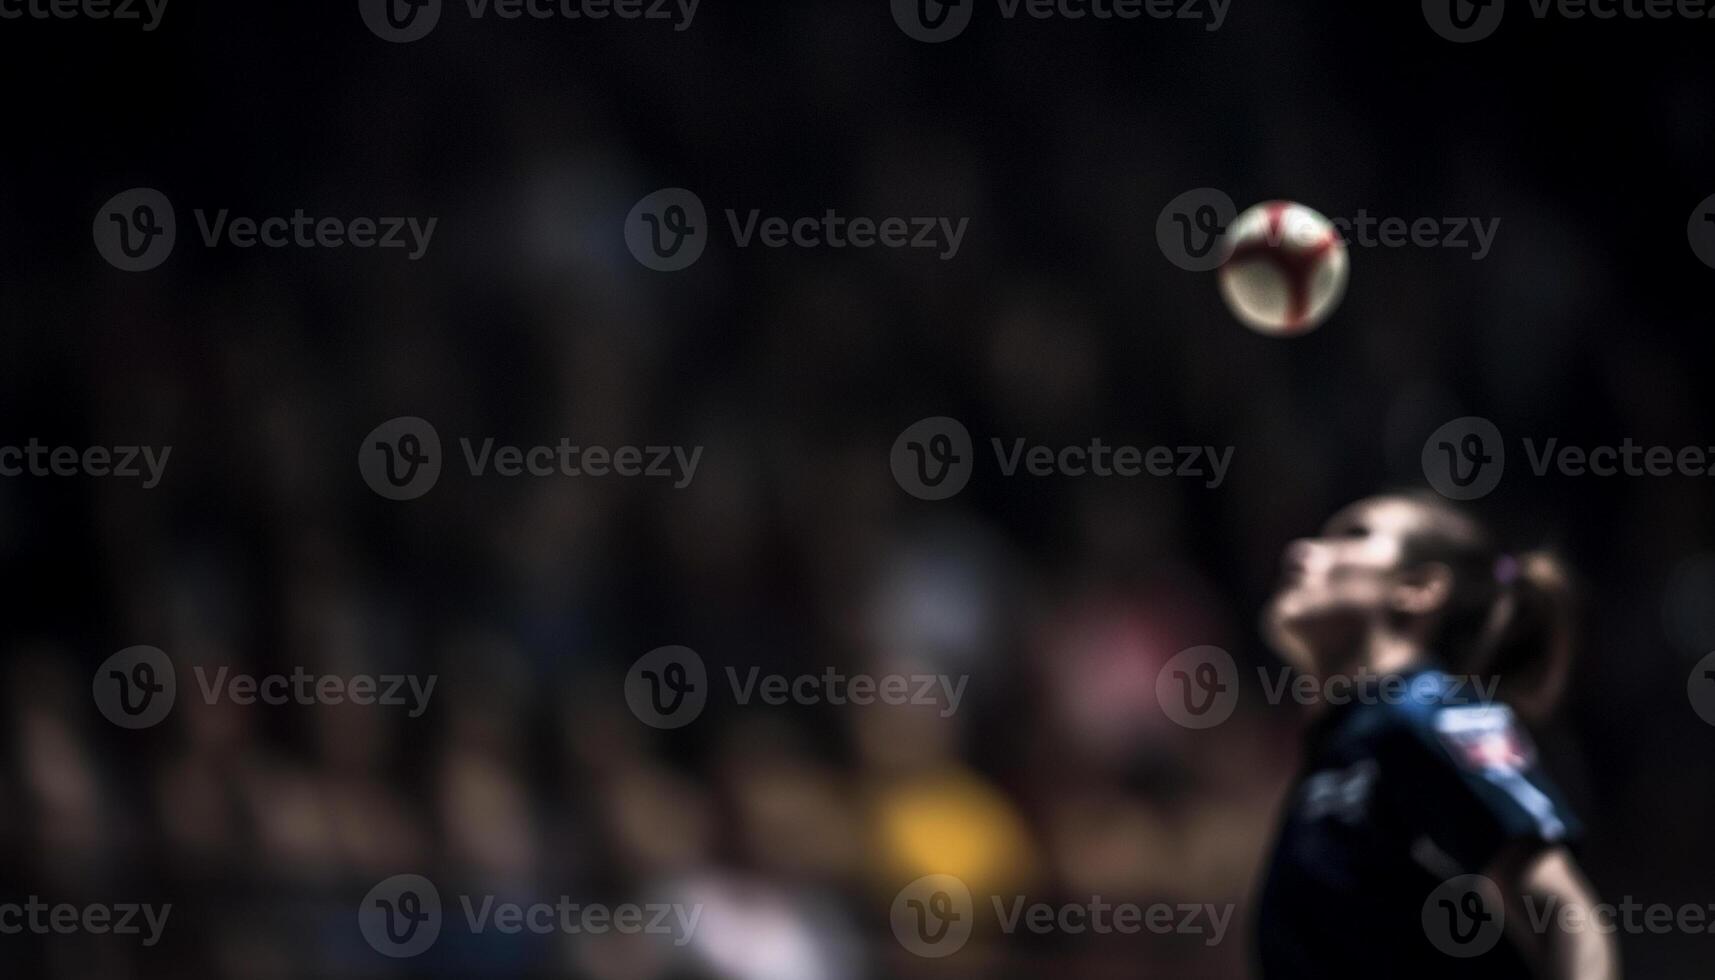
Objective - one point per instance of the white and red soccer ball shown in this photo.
(1283, 269)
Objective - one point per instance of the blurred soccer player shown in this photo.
(1421, 774)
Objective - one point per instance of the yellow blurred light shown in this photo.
(953, 822)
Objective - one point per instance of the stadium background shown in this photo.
(1060, 320)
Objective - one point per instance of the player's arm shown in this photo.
(1545, 885)
(1483, 798)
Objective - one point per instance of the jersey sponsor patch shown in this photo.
(1485, 737)
(1342, 793)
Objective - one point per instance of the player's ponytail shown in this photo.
(1528, 643)
(1510, 616)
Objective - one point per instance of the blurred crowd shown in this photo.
(793, 550)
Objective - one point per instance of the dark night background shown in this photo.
(1060, 320)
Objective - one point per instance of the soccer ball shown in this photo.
(1283, 268)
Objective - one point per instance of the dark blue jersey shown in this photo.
(1414, 783)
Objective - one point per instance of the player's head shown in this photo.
(1418, 572)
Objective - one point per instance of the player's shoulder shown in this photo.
(1429, 699)
(1459, 718)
